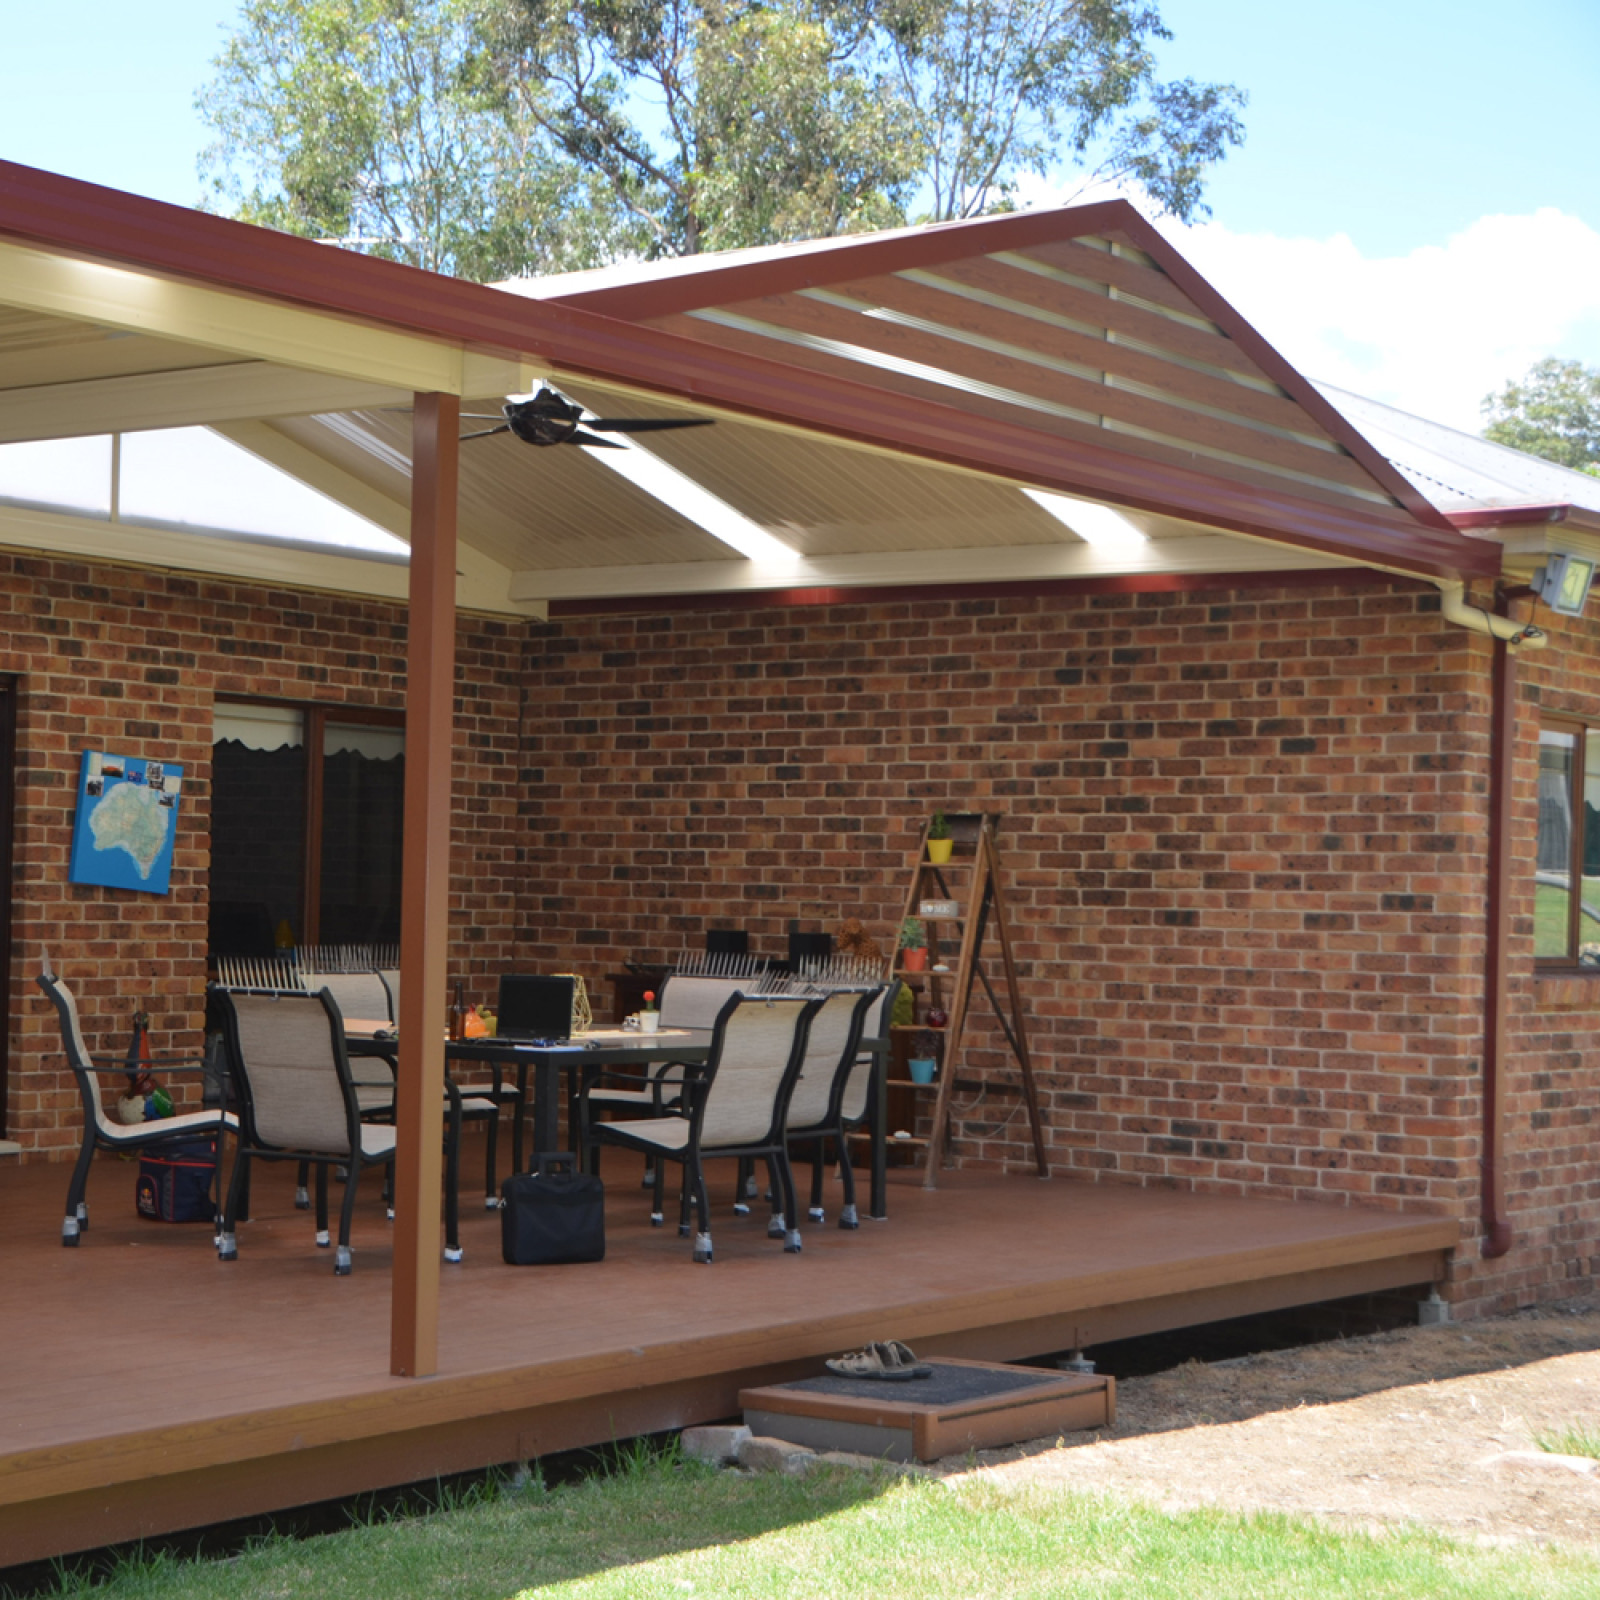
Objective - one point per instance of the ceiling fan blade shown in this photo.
(579, 436)
(466, 416)
(647, 424)
(484, 433)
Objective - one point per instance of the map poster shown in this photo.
(127, 817)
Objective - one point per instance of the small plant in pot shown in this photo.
(913, 945)
(940, 844)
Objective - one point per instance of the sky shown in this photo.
(1415, 214)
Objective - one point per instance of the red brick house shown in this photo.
(1272, 791)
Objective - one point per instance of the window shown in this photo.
(1566, 919)
(304, 850)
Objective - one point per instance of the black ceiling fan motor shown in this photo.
(548, 417)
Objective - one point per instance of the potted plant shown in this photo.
(913, 945)
(940, 844)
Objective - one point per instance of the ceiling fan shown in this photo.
(548, 417)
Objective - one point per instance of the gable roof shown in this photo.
(1070, 350)
(1086, 320)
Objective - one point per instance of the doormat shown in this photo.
(964, 1405)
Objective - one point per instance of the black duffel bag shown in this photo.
(553, 1214)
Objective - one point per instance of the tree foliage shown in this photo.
(495, 137)
(997, 88)
(373, 123)
(726, 122)
(717, 123)
(1554, 412)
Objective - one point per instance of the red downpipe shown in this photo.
(1502, 755)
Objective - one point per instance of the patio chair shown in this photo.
(99, 1131)
(735, 1104)
(364, 995)
(686, 1002)
(288, 1054)
(831, 1093)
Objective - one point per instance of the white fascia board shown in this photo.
(181, 399)
(247, 558)
(1201, 554)
(262, 330)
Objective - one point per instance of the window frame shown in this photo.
(1580, 733)
(316, 715)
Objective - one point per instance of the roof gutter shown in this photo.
(1523, 516)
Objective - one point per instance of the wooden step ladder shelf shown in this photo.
(981, 908)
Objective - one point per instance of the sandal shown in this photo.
(885, 1359)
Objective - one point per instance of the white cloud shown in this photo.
(1431, 332)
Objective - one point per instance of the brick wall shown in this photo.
(1243, 833)
(1244, 836)
(1552, 1070)
(117, 658)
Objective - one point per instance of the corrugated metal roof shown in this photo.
(1459, 471)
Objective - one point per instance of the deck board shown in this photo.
(140, 1360)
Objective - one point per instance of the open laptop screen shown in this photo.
(535, 1007)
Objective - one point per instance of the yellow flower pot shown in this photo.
(939, 850)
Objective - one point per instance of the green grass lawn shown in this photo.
(665, 1529)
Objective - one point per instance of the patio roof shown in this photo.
(879, 403)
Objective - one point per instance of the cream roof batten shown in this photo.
(197, 395)
(116, 297)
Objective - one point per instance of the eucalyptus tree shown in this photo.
(998, 88)
(724, 122)
(718, 123)
(496, 137)
(375, 124)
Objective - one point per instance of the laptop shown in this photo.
(535, 1009)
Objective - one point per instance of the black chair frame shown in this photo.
(698, 1085)
(139, 1136)
(252, 1147)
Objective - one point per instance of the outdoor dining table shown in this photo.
(548, 1064)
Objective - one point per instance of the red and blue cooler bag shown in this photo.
(175, 1181)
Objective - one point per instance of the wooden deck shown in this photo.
(147, 1387)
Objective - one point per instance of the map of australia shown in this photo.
(131, 818)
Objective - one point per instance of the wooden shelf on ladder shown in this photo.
(976, 857)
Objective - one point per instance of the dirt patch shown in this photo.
(1430, 1426)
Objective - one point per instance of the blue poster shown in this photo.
(127, 818)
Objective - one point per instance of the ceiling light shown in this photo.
(1107, 530)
